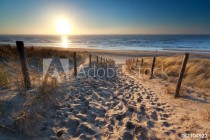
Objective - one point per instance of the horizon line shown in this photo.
(103, 34)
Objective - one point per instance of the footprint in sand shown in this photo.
(159, 109)
(152, 103)
(141, 133)
(130, 125)
(72, 124)
(139, 100)
(166, 124)
(164, 116)
(150, 124)
(120, 117)
(142, 109)
(84, 129)
(110, 127)
(91, 118)
(154, 116)
(127, 136)
(148, 97)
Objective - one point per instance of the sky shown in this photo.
(106, 16)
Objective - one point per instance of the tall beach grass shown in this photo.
(197, 73)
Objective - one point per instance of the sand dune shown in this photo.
(122, 107)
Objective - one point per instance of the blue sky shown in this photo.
(106, 16)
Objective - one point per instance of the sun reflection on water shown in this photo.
(64, 41)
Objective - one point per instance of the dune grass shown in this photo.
(41, 94)
(4, 77)
(167, 68)
(37, 103)
(10, 68)
(8, 51)
(26, 120)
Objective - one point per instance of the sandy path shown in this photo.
(121, 107)
(105, 108)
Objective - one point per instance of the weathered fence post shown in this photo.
(97, 64)
(142, 62)
(137, 62)
(181, 74)
(75, 64)
(107, 64)
(101, 60)
(97, 59)
(152, 69)
(90, 61)
(24, 64)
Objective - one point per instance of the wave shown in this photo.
(132, 42)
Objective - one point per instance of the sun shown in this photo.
(63, 27)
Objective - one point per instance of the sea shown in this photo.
(200, 43)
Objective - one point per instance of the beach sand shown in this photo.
(121, 55)
(122, 107)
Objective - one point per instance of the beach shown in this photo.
(124, 106)
(104, 70)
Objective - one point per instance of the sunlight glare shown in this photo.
(63, 27)
(64, 41)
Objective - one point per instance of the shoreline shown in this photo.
(133, 53)
(122, 55)
(89, 48)
(101, 50)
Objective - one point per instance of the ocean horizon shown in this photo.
(149, 42)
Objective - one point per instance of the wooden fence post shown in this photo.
(181, 74)
(142, 62)
(97, 59)
(137, 62)
(152, 69)
(90, 61)
(107, 64)
(24, 64)
(75, 64)
(101, 60)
